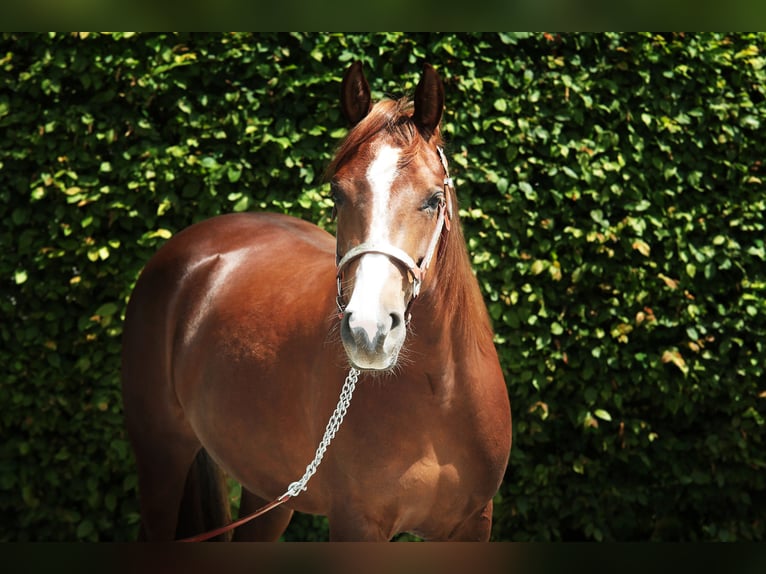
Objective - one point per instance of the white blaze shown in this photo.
(374, 269)
(380, 175)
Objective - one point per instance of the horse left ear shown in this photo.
(429, 102)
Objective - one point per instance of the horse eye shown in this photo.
(434, 201)
(337, 195)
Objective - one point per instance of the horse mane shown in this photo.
(460, 291)
(458, 287)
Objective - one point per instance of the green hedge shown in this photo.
(611, 188)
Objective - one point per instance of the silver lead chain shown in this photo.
(332, 427)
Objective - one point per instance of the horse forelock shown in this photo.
(392, 118)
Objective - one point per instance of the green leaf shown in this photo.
(209, 163)
(107, 309)
(234, 174)
(242, 204)
(538, 267)
(162, 233)
(85, 529)
(528, 191)
(602, 414)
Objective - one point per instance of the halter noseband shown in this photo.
(402, 259)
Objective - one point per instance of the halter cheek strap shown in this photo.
(448, 186)
(401, 258)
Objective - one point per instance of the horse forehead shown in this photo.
(391, 169)
(383, 167)
(381, 173)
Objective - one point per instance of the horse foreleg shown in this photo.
(351, 526)
(477, 527)
(266, 528)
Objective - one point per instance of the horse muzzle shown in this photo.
(373, 325)
(372, 344)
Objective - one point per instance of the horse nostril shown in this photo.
(396, 320)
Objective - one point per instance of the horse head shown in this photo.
(392, 195)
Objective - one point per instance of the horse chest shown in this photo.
(419, 451)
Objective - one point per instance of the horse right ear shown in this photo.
(355, 94)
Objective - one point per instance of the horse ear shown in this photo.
(429, 102)
(355, 94)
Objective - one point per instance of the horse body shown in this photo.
(233, 347)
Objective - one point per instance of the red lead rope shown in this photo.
(263, 510)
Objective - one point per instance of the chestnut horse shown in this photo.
(234, 352)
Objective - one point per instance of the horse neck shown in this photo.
(452, 316)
